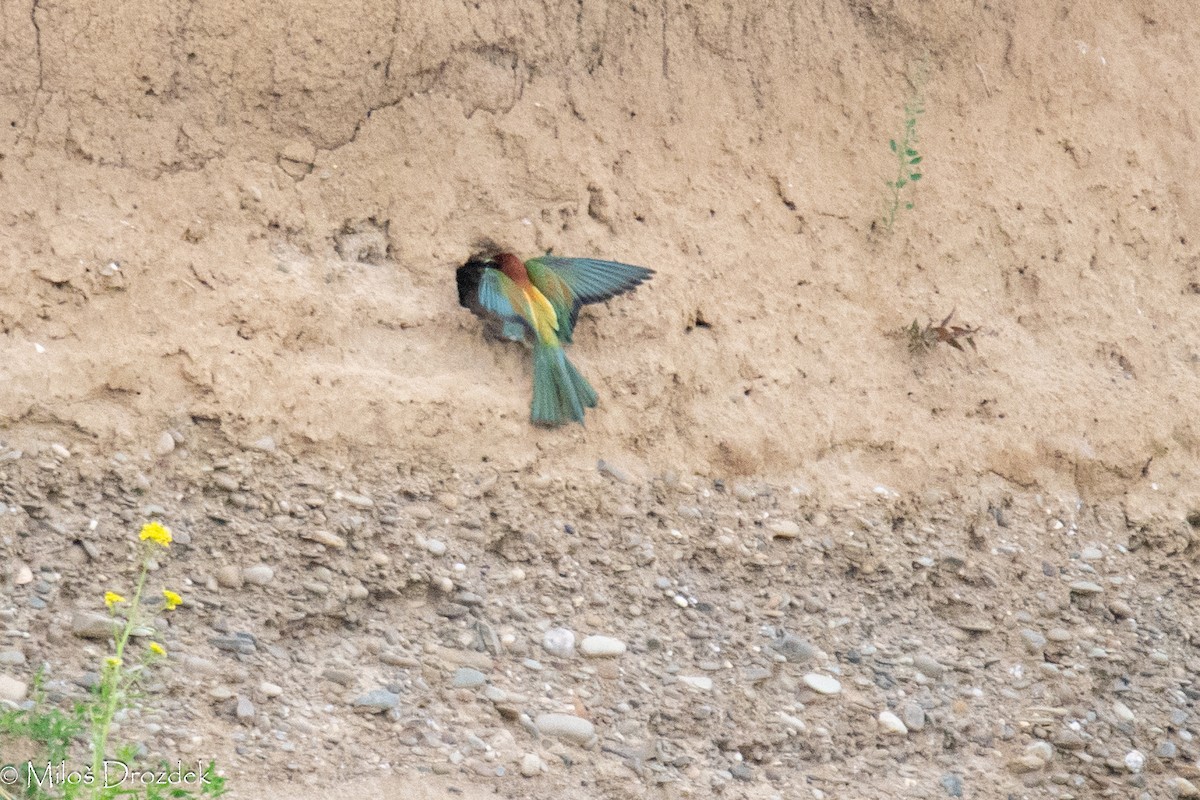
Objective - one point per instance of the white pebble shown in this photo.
(892, 724)
(1134, 761)
(681, 601)
(822, 684)
(566, 727)
(559, 642)
(698, 682)
(436, 546)
(601, 647)
(259, 574)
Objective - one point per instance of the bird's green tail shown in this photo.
(560, 393)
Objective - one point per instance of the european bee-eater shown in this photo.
(537, 302)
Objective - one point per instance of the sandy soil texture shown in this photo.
(228, 236)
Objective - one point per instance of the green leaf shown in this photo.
(916, 176)
(910, 152)
(900, 183)
(915, 161)
(892, 144)
(908, 205)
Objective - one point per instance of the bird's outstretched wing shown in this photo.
(488, 294)
(569, 283)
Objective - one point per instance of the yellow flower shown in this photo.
(112, 598)
(155, 532)
(172, 599)
(113, 661)
(157, 649)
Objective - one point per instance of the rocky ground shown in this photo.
(613, 635)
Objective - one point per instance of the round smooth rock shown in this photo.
(559, 642)
(259, 574)
(892, 724)
(783, 528)
(822, 684)
(567, 727)
(602, 647)
(12, 689)
(468, 678)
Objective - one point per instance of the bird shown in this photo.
(537, 302)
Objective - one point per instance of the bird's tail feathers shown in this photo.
(560, 393)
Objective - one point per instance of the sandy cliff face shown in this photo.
(250, 218)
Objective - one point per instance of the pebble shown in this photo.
(1182, 787)
(1035, 642)
(913, 716)
(259, 574)
(242, 643)
(1091, 554)
(1120, 609)
(1043, 751)
(436, 547)
(92, 625)
(698, 682)
(559, 642)
(892, 724)
(24, 575)
(532, 764)
(270, 689)
(266, 444)
(223, 480)
(231, 576)
(822, 684)
(1122, 712)
(377, 701)
(794, 648)
(12, 689)
(245, 709)
(1086, 587)
(328, 539)
(356, 500)
(1134, 761)
(567, 727)
(60, 450)
(783, 528)
(928, 666)
(11, 658)
(468, 678)
(165, 444)
(601, 647)
(953, 784)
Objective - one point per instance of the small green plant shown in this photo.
(922, 340)
(48, 773)
(907, 161)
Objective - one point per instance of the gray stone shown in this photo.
(92, 625)
(928, 666)
(913, 716)
(259, 574)
(953, 784)
(377, 701)
(245, 709)
(468, 678)
(1035, 642)
(567, 727)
